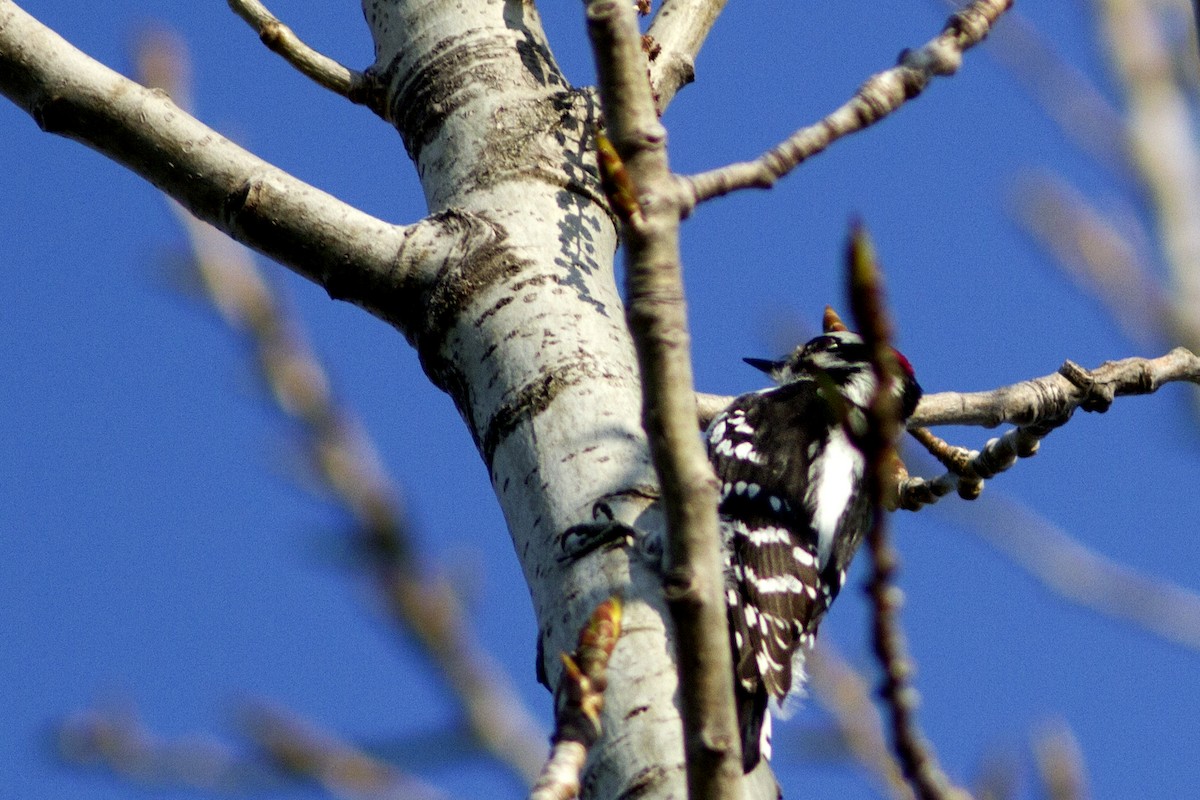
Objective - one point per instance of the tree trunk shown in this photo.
(527, 334)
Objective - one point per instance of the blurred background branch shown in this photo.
(419, 597)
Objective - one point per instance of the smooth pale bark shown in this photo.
(528, 335)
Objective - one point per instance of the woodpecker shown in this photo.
(793, 511)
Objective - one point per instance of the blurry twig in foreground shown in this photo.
(998, 776)
(116, 738)
(298, 748)
(1079, 573)
(1162, 138)
(1063, 92)
(420, 598)
(915, 754)
(1094, 250)
(1060, 763)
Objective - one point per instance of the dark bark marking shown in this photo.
(643, 783)
(534, 398)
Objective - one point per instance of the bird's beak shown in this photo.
(764, 364)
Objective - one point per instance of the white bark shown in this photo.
(527, 333)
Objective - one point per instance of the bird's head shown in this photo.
(843, 358)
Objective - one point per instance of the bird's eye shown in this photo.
(824, 344)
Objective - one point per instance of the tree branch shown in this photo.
(694, 578)
(1060, 763)
(678, 31)
(1035, 400)
(1052, 396)
(1064, 93)
(1095, 249)
(419, 597)
(297, 747)
(281, 39)
(353, 255)
(1162, 142)
(882, 94)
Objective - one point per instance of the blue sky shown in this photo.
(156, 547)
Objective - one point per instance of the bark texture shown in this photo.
(526, 332)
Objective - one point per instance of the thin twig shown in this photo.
(1037, 399)
(882, 94)
(579, 701)
(116, 738)
(1063, 91)
(1049, 405)
(281, 39)
(1037, 406)
(1055, 396)
(914, 752)
(678, 32)
(693, 580)
(420, 598)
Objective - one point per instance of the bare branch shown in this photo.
(914, 752)
(1058, 395)
(419, 597)
(882, 94)
(657, 317)
(579, 701)
(678, 32)
(117, 739)
(353, 255)
(1036, 406)
(1064, 93)
(281, 39)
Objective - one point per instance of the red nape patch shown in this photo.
(904, 363)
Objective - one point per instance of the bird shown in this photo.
(793, 510)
